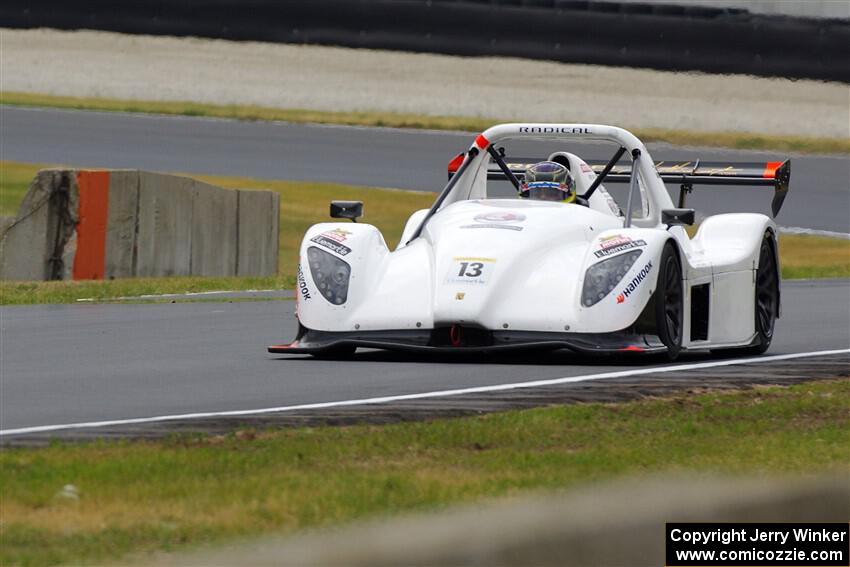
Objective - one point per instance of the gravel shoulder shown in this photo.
(109, 65)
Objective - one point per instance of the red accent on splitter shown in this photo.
(632, 348)
(482, 142)
(282, 348)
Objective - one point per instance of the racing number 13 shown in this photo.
(470, 269)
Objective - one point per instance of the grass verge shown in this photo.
(303, 204)
(736, 140)
(162, 495)
(808, 257)
(24, 293)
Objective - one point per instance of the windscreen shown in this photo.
(527, 151)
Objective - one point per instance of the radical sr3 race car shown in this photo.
(479, 273)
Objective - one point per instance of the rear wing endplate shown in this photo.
(689, 173)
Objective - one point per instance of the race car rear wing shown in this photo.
(689, 173)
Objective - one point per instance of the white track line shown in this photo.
(423, 395)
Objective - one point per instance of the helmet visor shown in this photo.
(546, 191)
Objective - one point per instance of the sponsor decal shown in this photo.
(472, 259)
(690, 167)
(585, 168)
(338, 234)
(507, 216)
(553, 130)
(460, 295)
(633, 285)
(614, 244)
(612, 204)
(502, 226)
(721, 171)
(302, 284)
(614, 240)
(332, 245)
(687, 167)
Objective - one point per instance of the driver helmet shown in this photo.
(548, 181)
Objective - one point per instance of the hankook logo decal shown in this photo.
(302, 284)
(633, 285)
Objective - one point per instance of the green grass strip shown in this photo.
(28, 293)
(187, 490)
(738, 140)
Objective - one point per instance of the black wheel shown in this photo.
(669, 303)
(767, 297)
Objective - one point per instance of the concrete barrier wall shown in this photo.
(126, 223)
(32, 246)
(164, 238)
(214, 253)
(121, 225)
(258, 227)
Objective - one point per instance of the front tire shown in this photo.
(669, 302)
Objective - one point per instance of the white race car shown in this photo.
(477, 273)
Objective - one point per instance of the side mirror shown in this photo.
(672, 217)
(347, 210)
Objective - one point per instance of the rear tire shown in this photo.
(669, 302)
(766, 297)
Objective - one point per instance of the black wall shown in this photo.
(660, 37)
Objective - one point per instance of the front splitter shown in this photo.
(482, 341)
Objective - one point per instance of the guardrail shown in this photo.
(696, 38)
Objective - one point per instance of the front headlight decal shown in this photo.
(601, 278)
(331, 275)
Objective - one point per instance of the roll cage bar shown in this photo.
(468, 181)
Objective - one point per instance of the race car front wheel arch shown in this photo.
(669, 301)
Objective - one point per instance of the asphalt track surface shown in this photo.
(65, 364)
(406, 159)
